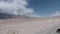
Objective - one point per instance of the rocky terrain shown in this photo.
(23, 25)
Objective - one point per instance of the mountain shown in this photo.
(10, 16)
(5, 16)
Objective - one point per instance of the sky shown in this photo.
(31, 8)
(45, 7)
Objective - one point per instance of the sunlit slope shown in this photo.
(28, 26)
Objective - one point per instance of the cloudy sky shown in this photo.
(31, 8)
(45, 7)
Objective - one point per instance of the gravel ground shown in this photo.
(29, 27)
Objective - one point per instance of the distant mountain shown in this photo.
(5, 16)
(9, 16)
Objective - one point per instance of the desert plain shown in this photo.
(29, 25)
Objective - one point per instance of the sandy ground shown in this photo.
(29, 26)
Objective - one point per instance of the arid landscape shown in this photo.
(29, 16)
(29, 25)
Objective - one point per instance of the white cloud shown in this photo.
(17, 7)
(55, 14)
